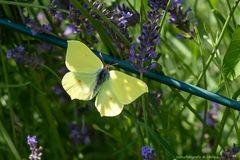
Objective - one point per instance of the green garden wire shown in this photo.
(195, 90)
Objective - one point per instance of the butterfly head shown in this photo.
(103, 75)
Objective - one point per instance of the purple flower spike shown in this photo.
(9, 54)
(59, 16)
(36, 152)
(142, 55)
(79, 135)
(157, 4)
(32, 141)
(36, 28)
(18, 54)
(147, 153)
(59, 92)
(177, 15)
(176, 3)
(20, 49)
(230, 154)
(46, 28)
(124, 16)
(211, 117)
(71, 29)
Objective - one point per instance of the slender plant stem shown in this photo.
(106, 20)
(9, 142)
(131, 6)
(136, 123)
(142, 14)
(234, 20)
(231, 129)
(177, 57)
(52, 127)
(29, 5)
(9, 100)
(15, 85)
(198, 41)
(222, 124)
(144, 112)
(217, 44)
(98, 26)
(164, 15)
(218, 137)
(219, 39)
(235, 124)
(211, 130)
(51, 71)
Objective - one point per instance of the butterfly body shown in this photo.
(88, 78)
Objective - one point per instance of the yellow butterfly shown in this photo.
(88, 78)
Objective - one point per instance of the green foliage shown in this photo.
(176, 124)
(231, 60)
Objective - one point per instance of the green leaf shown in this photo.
(214, 3)
(231, 60)
(9, 141)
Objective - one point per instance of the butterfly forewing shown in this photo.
(80, 58)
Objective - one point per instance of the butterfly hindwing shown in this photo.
(80, 85)
(118, 90)
(106, 101)
(127, 88)
(80, 58)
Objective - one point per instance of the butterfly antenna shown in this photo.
(109, 65)
(101, 57)
(112, 65)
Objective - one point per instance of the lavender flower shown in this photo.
(157, 4)
(123, 17)
(78, 24)
(59, 91)
(36, 152)
(176, 13)
(46, 28)
(176, 3)
(180, 19)
(16, 53)
(148, 153)
(69, 30)
(156, 97)
(44, 47)
(63, 70)
(55, 5)
(36, 28)
(99, 6)
(211, 117)
(19, 55)
(79, 135)
(230, 154)
(142, 55)
(162, 4)
(75, 15)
